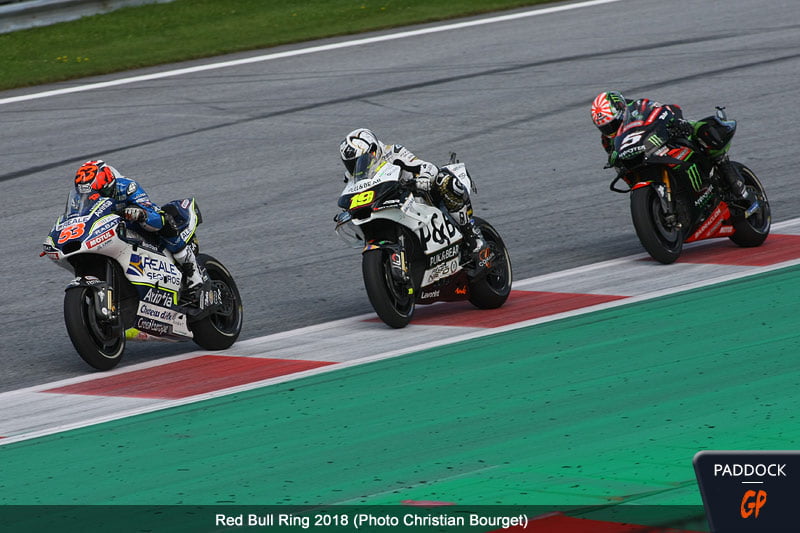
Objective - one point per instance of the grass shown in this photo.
(154, 34)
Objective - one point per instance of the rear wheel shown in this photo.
(492, 290)
(220, 329)
(661, 238)
(389, 297)
(753, 230)
(99, 342)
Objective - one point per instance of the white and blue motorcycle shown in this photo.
(127, 286)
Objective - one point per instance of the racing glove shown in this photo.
(134, 214)
(417, 184)
(423, 184)
(680, 128)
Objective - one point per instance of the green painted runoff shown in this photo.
(600, 409)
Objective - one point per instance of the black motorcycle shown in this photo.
(677, 194)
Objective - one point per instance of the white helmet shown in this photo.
(357, 143)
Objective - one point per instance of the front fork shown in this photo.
(105, 307)
(398, 262)
(664, 192)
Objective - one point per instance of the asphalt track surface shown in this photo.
(257, 145)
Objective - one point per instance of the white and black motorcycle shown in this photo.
(413, 251)
(127, 286)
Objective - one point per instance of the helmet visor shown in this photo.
(365, 166)
(350, 165)
(609, 129)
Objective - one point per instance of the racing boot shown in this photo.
(728, 171)
(481, 253)
(196, 276)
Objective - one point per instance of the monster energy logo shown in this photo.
(655, 140)
(694, 177)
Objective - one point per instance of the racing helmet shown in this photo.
(607, 110)
(357, 143)
(96, 176)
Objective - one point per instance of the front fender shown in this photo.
(86, 281)
(103, 298)
(661, 191)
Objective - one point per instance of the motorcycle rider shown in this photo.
(135, 206)
(609, 107)
(424, 177)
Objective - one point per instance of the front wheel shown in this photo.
(220, 329)
(389, 297)
(492, 290)
(753, 230)
(661, 238)
(99, 342)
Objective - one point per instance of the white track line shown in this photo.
(579, 271)
(304, 51)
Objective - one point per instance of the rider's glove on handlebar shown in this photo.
(135, 214)
(680, 128)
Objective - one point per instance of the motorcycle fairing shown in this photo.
(716, 225)
(451, 290)
(186, 216)
(92, 227)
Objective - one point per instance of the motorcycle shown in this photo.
(127, 286)
(677, 196)
(413, 252)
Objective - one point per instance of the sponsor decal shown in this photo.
(712, 224)
(680, 153)
(704, 197)
(157, 297)
(694, 177)
(397, 261)
(631, 152)
(153, 268)
(440, 271)
(107, 203)
(429, 294)
(185, 203)
(485, 257)
(156, 312)
(100, 239)
(440, 231)
(442, 256)
(185, 234)
(210, 297)
(152, 326)
(461, 290)
(105, 226)
(362, 185)
(135, 265)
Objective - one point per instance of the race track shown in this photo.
(257, 145)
